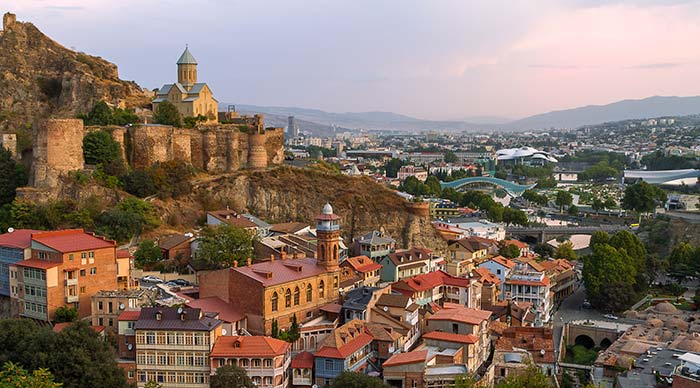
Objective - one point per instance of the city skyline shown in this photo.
(436, 61)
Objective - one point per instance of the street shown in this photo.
(572, 309)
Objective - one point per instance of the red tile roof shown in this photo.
(503, 261)
(303, 360)
(363, 264)
(461, 314)
(517, 243)
(349, 348)
(19, 238)
(543, 282)
(270, 273)
(345, 340)
(216, 305)
(36, 263)
(450, 337)
(486, 276)
(249, 346)
(429, 281)
(407, 358)
(72, 240)
(123, 253)
(334, 308)
(129, 315)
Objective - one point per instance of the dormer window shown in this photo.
(237, 344)
(159, 315)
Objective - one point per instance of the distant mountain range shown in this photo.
(319, 122)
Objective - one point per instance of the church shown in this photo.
(191, 98)
(284, 286)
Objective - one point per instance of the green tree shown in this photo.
(597, 204)
(349, 379)
(130, 217)
(14, 376)
(413, 186)
(562, 199)
(100, 148)
(167, 114)
(642, 198)
(191, 122)
(566, 251)
(231, 376)
(101, 114)
(140, 183)
(148, 253)
(609, 275)
(573, 210)
(514, 216)
(544, 250)
(531, 377)
(65, 314)
(467, 381)
(392, 167)
(510, 251)
(220, 246)
(433, 187)
(12, 176)
(501, 174)
(152, 384)
(451, 157)
(534, 197)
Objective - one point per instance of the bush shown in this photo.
(167, 114)
(148, 253)
(102, 114)
(130, 217)
(169, 179)
(100, 148)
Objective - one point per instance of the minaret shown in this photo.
(328, 236)
(187, 69)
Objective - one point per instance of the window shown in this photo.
(296, 296)
(99, 305)
(151, 338)
(455, 328)
(71, 257)
(498, 272)
(110, 306)
(274, 301)
(309, 290)
(91, 254)
(83, 255)
(93, 270)
(329, 365)
(82, 289)
(82, 272)
(288, 298)
(320, 289)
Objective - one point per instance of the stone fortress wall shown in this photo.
(240, 143)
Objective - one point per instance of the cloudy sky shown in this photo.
(437, 59)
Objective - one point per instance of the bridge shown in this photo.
(546, 233)
(513, 189)
(592, 334)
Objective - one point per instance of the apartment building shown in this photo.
(266, 360)
(407, 263)
(107, 305)
(173, 346)
(15, 245)
(525, 285)
(66, 268)
(347, 348)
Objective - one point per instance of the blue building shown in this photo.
(15, 245)
(347, 348)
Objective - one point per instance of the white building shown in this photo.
(524, 285)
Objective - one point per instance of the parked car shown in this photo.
(151, 279)
(181, 282)
(586, 304)
(172, 284)
(610, 316)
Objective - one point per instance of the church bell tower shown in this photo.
(328, 236)
(187, 69)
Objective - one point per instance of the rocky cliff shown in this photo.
(292, 194)
(40, 78)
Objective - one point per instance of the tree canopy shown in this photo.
(14, 376)
(102, 114)
(349, 379)
(392, 167)
(100, 148)
(12, 176)
(220, 246)
(509, 250)
(563, 198)
(148, 253)
(231, 376)
(642, 197)
(566, 251)
(167, 114)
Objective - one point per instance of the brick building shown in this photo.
(266, 360)
(67, 267)
(281, 288)
(364, 268)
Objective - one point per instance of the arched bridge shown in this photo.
(545, 233)
(594, 333)
(513, 189)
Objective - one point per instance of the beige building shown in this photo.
(191, 98)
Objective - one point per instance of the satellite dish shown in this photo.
(10, 230)
(121, 306)
(385, 308)
(179, 310)
(129, 346)
(223, 332)
(542, 352)
(314, 386)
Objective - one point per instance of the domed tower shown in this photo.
(328, 236)
(187, 69)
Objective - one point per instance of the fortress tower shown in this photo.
(328, 236)
(187, 69)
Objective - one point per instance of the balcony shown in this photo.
(71, 282)
(72, 298)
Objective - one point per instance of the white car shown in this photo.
(152, 279)
(610, 316)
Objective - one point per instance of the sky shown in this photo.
(433, 59)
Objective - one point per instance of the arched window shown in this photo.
(309, 290)
(320, 289)
(296, 296)
(288, 298)
(335, 252)
(323, 252)
(274, 301)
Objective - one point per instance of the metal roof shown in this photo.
(186, 58)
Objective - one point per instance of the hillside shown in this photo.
(41, 78)
(293, 194)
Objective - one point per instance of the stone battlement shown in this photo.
(214, 148)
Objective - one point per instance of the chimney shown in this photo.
(272, 257)
(235, 264)
(283, 255)
(250, 262)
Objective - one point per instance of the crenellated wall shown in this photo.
(214, 148)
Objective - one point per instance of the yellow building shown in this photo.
(190, 97)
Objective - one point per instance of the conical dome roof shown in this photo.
(186, 58)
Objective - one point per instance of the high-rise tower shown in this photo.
(187, 69)
(328, 238)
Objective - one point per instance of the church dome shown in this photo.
(186, 58)
(654, 322)
(677, 323)
(689, 344)
(327, 209)
(665, 308)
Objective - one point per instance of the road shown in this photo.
(571, 309)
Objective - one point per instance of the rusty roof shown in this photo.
(249, 346)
